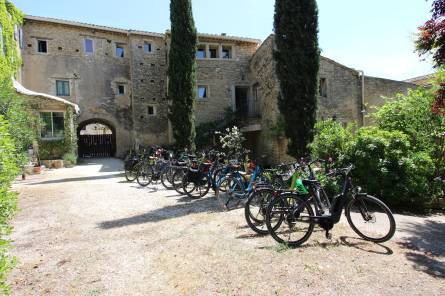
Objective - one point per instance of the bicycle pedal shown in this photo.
(328, 235)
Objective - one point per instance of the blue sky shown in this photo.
(375, 36)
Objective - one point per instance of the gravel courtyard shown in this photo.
(85, 231)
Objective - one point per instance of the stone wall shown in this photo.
(342, 99)
(221, 76)
(93, 78)
(376, 88)
(149, 82)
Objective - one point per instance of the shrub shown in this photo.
(386, 166)
(50, 150)
(71, 157)
(331, 140)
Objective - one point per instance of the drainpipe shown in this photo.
(363, 108)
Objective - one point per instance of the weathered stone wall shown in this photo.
(221, 76)
(376, 88)
(149, 77)
(343, 100)
(93, 78)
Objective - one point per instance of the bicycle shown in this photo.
(293, 214)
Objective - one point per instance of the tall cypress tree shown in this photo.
(297, 59)
(182, 73)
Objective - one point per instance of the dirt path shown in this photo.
(84, 231)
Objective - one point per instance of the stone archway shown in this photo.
(96, 138)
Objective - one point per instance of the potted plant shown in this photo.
(69, 160)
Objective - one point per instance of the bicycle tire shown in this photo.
(283, 202)
(370, 217)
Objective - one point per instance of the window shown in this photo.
(202, 92)
(201, 52)
(120, 51)
(62, 88)
(151, 110)
(42, 46)
(323, 89)
(89, 47)
(226, 52)
(121, 89)
(21, 37)
(214, 51)
(2, 42)
(52, 125)
(147, 47)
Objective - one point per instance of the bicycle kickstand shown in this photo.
(328, 234)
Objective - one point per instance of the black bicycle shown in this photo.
(291, 217)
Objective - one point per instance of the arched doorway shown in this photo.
(96, 138)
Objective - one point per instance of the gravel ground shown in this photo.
(84, 231)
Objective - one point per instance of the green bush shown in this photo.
(331, 140)
(51, 150)
(71, 157)
(387, 166)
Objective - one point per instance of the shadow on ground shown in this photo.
(352, 242)
(209, 205)
(79, 179)
(426, 245)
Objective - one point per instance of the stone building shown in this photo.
(119, 79)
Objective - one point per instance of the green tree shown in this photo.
(182, 73)
(297, 57)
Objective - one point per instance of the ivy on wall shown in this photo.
(15, 125)
(10, 59)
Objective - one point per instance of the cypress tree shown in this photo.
(182, 73)
(297, 59)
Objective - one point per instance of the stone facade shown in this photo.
(119, 78)
(344, 97)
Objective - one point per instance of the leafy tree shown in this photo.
(431, 39)
(297, 56)
(181, 71)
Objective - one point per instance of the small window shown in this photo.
(62, 88)
(2, 41)
(52, 125)
(42, 46)
(21, 43)
(201, 51)
(89, 47)
(323, 89)
(120, 51)
(147, 47)
(226, 52)
(214, 51)
(121, 89)
(151, 110)
(202, 92)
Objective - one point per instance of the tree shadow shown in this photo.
(79, 179)
(183, 209)
(426, 243)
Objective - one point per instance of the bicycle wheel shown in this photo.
(144, 176)
(255, 210)
(131, 175)
(370, 218)
(286, 223)
(234, 193)
(166, 178)
(196, 188)
(177, 178)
